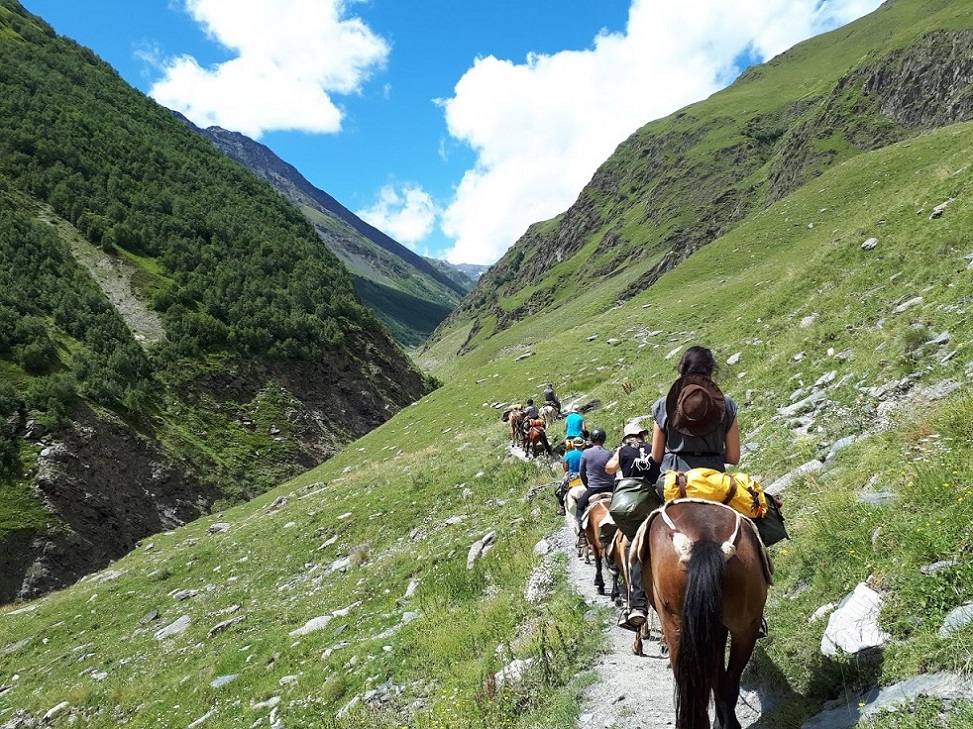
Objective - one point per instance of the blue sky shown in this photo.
(452, 125)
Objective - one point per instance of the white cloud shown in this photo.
(408, 217)
(291, 56)
(540, 129)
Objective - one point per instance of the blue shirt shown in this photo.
(573, 460)
(572, 425)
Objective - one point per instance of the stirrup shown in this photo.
(764, 630)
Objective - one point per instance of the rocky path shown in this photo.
(631, 692)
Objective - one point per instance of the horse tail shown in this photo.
(699, 662)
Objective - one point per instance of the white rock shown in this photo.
(174, 628)
(853, 626)
(734, 358)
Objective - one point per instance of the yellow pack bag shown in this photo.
(736, 490)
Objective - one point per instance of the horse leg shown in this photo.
(596, 554)
(728, 685)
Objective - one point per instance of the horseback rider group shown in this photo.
(694, 426)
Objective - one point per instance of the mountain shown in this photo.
(420, 576)
(469, 272)
(174, 336)
(408, 294)
(681, 182)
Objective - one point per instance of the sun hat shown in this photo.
(633, 428)
(695, 405)
(578, 441)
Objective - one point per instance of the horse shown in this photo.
(571, 507)
(706, 574)
(616, 554)
(550, 413)
(597, 513)
(535, 439)
(516, 419)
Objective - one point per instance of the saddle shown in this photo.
(596, 499)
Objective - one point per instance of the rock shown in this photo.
(839, 445)
(821, 612)
(223, 680)
(613, 341)
(811, 402)
(957, 620)
(849, 712)
(937, 212)
(513, 673)
(942, 338)
(208, 715)
(937, 566)
(221, 526)
(174, 628)
(149, 617)
(826, 379)
(313, 624)
(542, 548)
(853, 626)
(869, 244)
(220, 627)
(878, 499)
(734, 358)
(480, 548)
(525, 355)
(592, 338)
(54, 711)
(907, 304)
(790, 477)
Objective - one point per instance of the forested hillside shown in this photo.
(267, 362)
(681, 182)
(407, 293)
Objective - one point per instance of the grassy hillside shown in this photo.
(372, 546)
(681, 182)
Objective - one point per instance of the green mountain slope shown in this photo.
(407, 293)
(173, 333)
(680, 182)
(347, 589)
(352, 596)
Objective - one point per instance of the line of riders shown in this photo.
(611, 494)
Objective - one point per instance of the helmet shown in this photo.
(598, 436)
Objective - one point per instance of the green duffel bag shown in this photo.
(771, 525)
(632, 500)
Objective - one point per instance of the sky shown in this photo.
(451, 125)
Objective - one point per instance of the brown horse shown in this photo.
(616, 554)
(516, 419)
(535, 440)
(597, 513)
(706, 574)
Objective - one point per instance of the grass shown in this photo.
(403, 505)
(789, 288)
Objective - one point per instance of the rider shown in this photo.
(633, 459)
(592, 471)
(530, 413)
(574, 424)
(695, 423)
(551, 399)
(572, 464)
